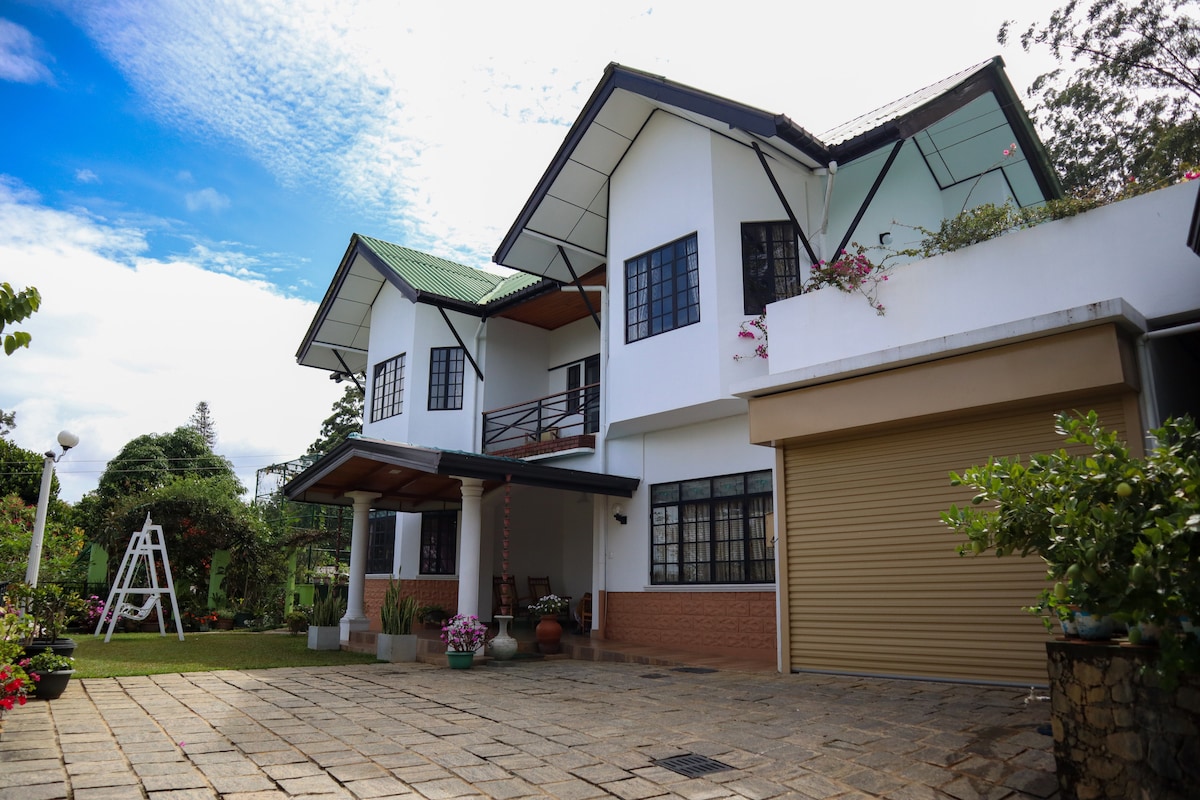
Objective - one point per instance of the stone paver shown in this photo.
(564, 729)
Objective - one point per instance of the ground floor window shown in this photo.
(712, 530)
(439, 531)
(381, 542)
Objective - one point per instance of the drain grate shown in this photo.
(654, 675)
(694, 670)
(691, 765)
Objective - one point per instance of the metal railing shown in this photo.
(575, 412)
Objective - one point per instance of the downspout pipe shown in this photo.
(1148, 399)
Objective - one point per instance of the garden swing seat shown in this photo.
(130, 611)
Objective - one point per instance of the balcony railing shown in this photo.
(536, 425)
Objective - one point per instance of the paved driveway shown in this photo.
(566, 729)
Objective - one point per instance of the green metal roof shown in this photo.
(430, 274)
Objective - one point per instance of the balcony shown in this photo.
(552, 424)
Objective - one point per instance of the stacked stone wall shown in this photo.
(1119, 734)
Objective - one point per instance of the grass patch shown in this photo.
(152, 654)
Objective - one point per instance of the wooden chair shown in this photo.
(519, 604)
(583, 613)
(540, 587)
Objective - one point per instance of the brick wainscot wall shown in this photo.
(715, 622)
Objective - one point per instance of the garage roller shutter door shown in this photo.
(875, 585)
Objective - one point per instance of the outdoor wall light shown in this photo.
(885, 238)
(619, 514)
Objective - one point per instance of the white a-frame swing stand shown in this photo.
(143, 547)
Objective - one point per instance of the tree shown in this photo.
(21, 473)
(202, 423)
(1129, 113)
(61, 544)
(152, 460)
(8, 421)
(14, 307)
(346, 419)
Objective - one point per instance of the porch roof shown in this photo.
(410, 477)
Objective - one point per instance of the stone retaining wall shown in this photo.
(1117, 733)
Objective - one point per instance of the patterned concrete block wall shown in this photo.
(428, 593)
(1118, 733)
(717, 622)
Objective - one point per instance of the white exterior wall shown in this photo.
(393, 321)
(515, 361)
(708, 449)
(663, 191)
(399, 326)
(908, 197)
(1135, 250)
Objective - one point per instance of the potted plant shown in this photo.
(397, 642)
(1117, 533)
(432, 616)
(51, 607)
(1120, 536)
(324, 629)
(463, 635)
(14, 682)
(549, 629)
(297, 621)
(50, 672)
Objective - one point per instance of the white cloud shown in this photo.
(86, 176)
(126, 345)
(21, 56)
(208, 199)
(435, 120)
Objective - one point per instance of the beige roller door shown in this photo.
(874, 584)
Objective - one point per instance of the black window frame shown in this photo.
(381, 543)
(770, 264)
(387, 388)
(439, 543)
(447, 367)
(706, 531)
(585, 401)
(662, 289)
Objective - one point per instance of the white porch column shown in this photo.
(356, 615)
(471, 523)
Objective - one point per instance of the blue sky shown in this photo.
(180, 178)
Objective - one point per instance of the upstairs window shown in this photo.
(662, 290)
(770, 266)
(446, 378)
(585, 400)
(387, 389)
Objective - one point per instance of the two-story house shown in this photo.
(586, 418)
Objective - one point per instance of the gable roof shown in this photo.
(338, 336)
(562, 230)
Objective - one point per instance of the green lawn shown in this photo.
(151, 654)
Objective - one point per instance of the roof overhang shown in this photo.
(568, 210)
(410, 477)
(562, 230)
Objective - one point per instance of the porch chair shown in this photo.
(520, 605)
(583, 614)
(540, 587)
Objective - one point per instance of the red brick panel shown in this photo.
(716, 622)
(428, 593)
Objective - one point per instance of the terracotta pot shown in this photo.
(549, 635)
(224, 623)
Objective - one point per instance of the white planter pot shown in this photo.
(324, 637)
(396, 647)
